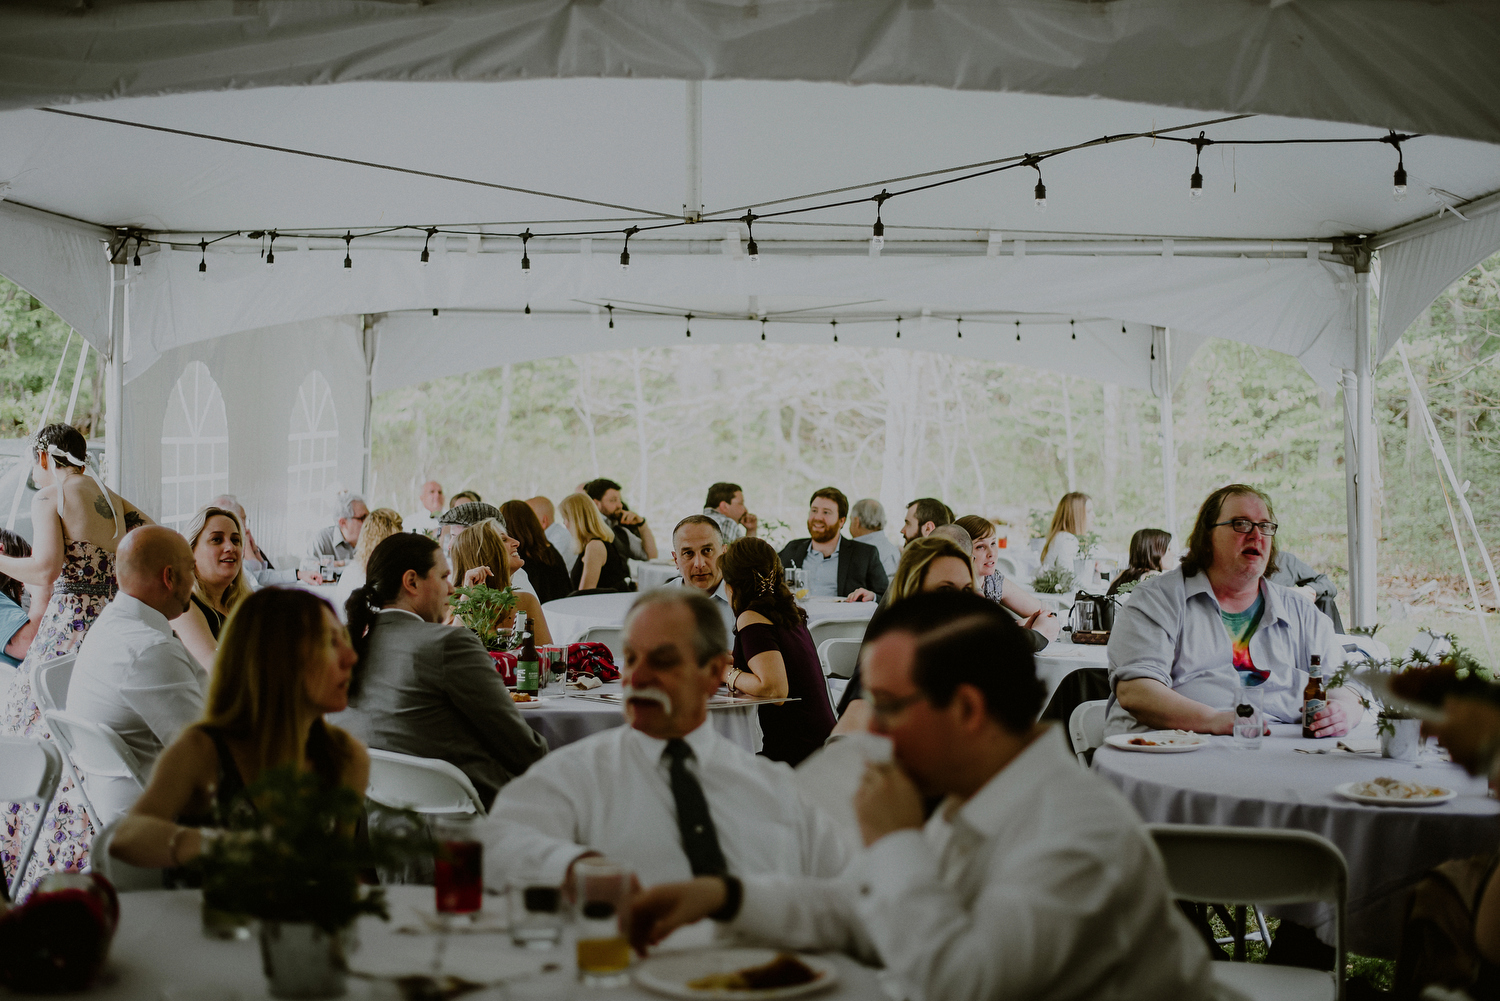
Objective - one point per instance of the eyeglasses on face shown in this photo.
(1244, 526)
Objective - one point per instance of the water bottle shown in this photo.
(1249, 721)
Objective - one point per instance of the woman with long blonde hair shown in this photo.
(219, 580)
(485, 546)
(285, 661)
(930, 564)
(1069, 521)
(599, 566)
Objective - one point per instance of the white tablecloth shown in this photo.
(1387, 848)
(564, 719)
(160, 954)
(1062, 657)
(570, 617)
(653, 574)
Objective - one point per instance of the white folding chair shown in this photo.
(424, 785)
(836, 687)
(1251, 865)
(1086, 728)
(611, 636)
(839, 656)
(94, 749)
(838, 629)
(50, 680)
(30, 770)
(1009, 567)
(122, 875)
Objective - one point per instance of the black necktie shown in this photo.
(699, 839)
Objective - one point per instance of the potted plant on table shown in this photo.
(1053, 580)
(300, 873)
(1416, 677)
(485, 609)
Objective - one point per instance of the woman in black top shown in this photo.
(219, 580)
(774, 656)
(544, 564)
(1147, 548)
(286, 660)
(599, 566)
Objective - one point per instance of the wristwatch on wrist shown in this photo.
(734, 896)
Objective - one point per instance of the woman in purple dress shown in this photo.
(774, 656)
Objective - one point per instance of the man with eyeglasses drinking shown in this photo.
(1187, 639)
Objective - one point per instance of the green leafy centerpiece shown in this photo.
(483, 609)
(1415, 679)
(299, 869)
(1053, 580)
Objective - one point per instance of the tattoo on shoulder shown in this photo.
(133, 520)
(101, 506)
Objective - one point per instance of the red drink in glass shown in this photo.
(459, 872)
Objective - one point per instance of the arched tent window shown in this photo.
(312, 460)
(194, 446)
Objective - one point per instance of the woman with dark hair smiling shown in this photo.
(544, 564)
(774, 656)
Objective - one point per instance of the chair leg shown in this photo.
(1265, 929)
(1238, 931)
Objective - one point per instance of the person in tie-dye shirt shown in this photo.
(1181, 645)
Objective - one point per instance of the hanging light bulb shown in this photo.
(835, 325)
(1195, 183)
(625, 254)
(1073, 326)
(1040, 192)
(689, 319)
(762, 328)
(1398, 188)
(271, 249)
(348, 261)
(525, 260)
(1018, 331)
(752, 250)
(960, 322)
(898, 328)
(426, 257)
(527, 311)
(434, 313)
(203, 260)
(878, 232)
(611, 316)
(135, 262)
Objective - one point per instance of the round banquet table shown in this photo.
(562, 719)
(569, 618)
(1062, 657)
(653, 573)
(161, 954)
(1387, 848)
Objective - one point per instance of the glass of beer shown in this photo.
(602, 904)
(458, 869)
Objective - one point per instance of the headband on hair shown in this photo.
(90, 469)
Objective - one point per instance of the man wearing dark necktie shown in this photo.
(665, 794)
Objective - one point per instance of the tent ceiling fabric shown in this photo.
(1405, 64)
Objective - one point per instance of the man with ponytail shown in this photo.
(424, 688)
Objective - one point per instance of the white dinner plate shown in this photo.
(1179, 741)
(669, 972)
(1346, 791)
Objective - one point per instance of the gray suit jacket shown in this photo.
(432, 691)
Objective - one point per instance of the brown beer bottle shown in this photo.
(1313, 696)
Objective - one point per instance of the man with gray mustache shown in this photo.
(664, 794)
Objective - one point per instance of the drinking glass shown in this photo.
(1249, 720)
(602, 901)
(535, 915)
(458, 868)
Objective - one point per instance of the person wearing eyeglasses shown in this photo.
(338, 540)
(1188, 638)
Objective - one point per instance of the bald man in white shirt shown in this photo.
(133, 674)
(664, 794)
(1033, 879)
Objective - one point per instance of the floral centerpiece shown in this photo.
(1053, 580)
(300, 871)
(485, 610)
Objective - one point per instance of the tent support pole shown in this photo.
(1351, 476)
(114, 383)
(1168, 433)
(1364, 497)
(692, 203)
(367, 343)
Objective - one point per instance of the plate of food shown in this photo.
(1394, 792)
(735, 973)
(1158, 741)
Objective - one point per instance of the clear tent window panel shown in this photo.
(194, 446)
(312, 460)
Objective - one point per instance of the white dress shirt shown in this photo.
(135, 677)
(1172, 631)
(562, 541)
(1043, 885)
(720, 600)
(611, 792)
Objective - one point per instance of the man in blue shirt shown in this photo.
(836, 567)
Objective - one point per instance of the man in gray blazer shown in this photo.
(430, 690)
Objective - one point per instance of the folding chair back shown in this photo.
(50, 680)
(611, 636)
(425, 785)
(839, 656)
(1251, 865)
(30, 770)
(1086, 728)
(841, 629)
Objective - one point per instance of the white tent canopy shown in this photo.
(411, 129)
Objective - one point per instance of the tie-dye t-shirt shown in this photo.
(1241, 626)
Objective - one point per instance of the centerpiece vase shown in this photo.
(302, 961)
(1400, 738)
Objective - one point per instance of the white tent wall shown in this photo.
(1417, 66)
(259, 375)
(63, 263)
(1415, 270)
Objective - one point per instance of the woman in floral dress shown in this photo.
(76, 525)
